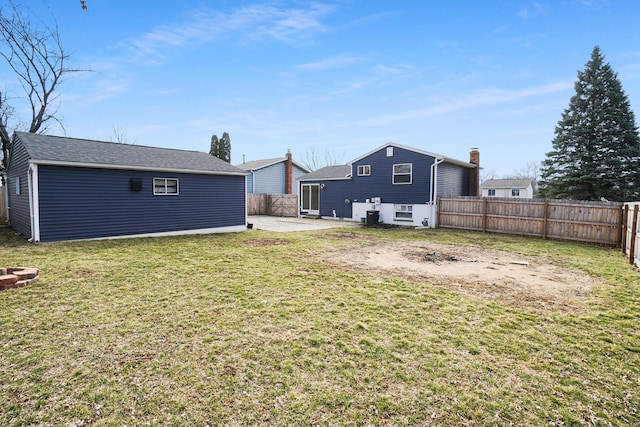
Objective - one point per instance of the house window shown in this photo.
(404, 212)
(515, 192)
(389, 151)
(165, 187)
(364, 170)
(17, 185)
(491, 192)
(402, 173)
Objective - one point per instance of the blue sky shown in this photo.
(344, 76)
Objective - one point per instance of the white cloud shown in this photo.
(292, 26)
(478, 98)
(331, 63)
(532, 10)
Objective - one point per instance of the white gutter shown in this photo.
(136, 168)
(434, 189)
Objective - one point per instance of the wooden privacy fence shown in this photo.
(590, 222)
(272, 204)
(631, 232)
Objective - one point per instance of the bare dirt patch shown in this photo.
(265, 242)
(501, 276)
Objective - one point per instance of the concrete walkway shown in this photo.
(283, 224)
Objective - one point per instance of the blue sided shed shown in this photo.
(70, 189)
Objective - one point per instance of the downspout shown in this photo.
(34, 205)
(5, 181)
(246, 203)
(434, 190)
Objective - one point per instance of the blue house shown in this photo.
(392, 184)
(273, 176)
(69, 189)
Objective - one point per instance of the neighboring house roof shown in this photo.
(507, 183)
(259, 164)
(328, 172)
(415, 150)
(56, 150)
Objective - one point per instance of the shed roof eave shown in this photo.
(137, 168)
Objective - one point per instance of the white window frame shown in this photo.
(164, 184)
(395, 174)
(364, 170)
(403, 212)
(18, 185)
(515, 192)
(491, 192)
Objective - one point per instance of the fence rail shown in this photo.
(285, 205)
(631, 232)
(591, 222)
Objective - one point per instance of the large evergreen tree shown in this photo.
(596, 148)
(221, 148)
(215, 146)
(225, 147)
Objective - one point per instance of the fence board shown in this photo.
(631, 232)
(285, 205)
(592, 222)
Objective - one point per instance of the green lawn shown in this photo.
(255, 329)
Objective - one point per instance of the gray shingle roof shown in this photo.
(329, 172)
(257, 164)
(506, 183)
(73, 151)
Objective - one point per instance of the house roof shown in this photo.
(415, 150)
(259, 164)
(57, 150)
(328, 172)
(507, 183)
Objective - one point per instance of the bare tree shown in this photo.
(33, 50)
(120, 136)
(529, 171)
(487, 174)
(314, 161)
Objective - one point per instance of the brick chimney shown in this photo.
(288, 174)
(474, 175)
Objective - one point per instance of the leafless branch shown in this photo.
(314, 161)
(34, 52)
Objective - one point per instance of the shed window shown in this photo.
(364, 170)
(402, 173)
(491, 192)
(165, 186)
(404, 212)
(18, 185)
(515, 192)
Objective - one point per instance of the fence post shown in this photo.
(634, 230)
(484, 215)
(625, 221)
(545, 219)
